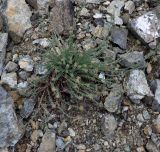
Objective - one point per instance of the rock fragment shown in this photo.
(61, 17)
(129, 6)
(132, 59)
(11, 67)
(109, 125)
(113, 100)
(137, 86)
(48, 142)
(18, 15)
(147, 26)
(26, 63)
(27, 108)
(3, 45)
(10, 79)
(9, 129)
(119, 37)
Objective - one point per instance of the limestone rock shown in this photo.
(3, 44)
(61, 17)
(9, 130)
(18, 15)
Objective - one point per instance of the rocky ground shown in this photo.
(129, 120)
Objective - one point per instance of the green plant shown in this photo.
(75, 73)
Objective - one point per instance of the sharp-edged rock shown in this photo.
(147, 26)
(133, 59)
(3, 45)
(119, 37)
(27, 108)
(137, 86)
(10, 132)
(61, 17)
(18, 17)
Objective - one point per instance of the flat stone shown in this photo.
(3, 45)
(109, 125)
(132, 60)
(26, 63)
(27, 108)
(119, 37)
(137, 86)
(48, 142)
(18, 17)
(61, 17)
(147, 26)
(10, 132)
(10, 79)
(113, 100)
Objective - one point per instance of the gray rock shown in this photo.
(18, 17)
(129, 6)
(61, 17)
(10, 79)
(119, 37)
(10, 132)
(109, 125)
(40, 69)
(11, 67)
(147, 26)
(3, 44)
(137, 86)
(151, 147)
(27, 108)
(113, 100)
(115, 10)
(24, 75)
(133, 60)
(43, 5)
(146, 115)
(60, 143)
(156, 100)
(44, 42)
(48, 142)
(93, 1)
(26, 63)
